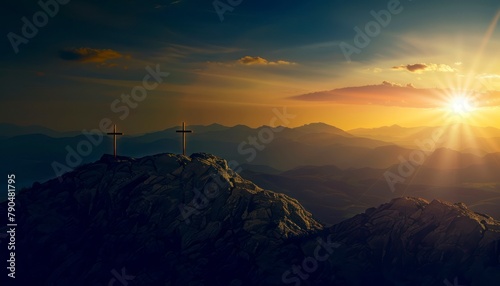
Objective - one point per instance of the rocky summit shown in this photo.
(176, 220)
(166, 219)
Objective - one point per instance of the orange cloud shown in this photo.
(392, 94)
(89, 55)
(249, 60)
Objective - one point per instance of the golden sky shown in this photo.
(236, 70)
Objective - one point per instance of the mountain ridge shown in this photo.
(178, 220)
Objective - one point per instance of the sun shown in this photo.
(460, 105)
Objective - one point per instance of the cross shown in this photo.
(114, 133)
(184, 131)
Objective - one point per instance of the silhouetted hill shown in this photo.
(460, 137)
(333, 194)
(389, 133)
(320, 127)
(278, 148)
(32, 155)
(443, 158)
(11, 130)
(176, 220)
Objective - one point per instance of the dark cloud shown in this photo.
(89, 55)
(411, 68)
(418, 68)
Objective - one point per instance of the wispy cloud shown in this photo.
(163, 6)
(489, 76)
(423, 67)
(373, 70)
(191, 53)
(252, 61)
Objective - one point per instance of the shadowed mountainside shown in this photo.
(176, 220)
(333, 194)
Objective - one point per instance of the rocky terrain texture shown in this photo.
(176, 220)
(411, 241)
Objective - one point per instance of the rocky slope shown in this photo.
(411, 241)
(165, 218)
(176, 220)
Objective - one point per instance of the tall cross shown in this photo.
(114, 133)
(184, 131)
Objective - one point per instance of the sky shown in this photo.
(351, 64)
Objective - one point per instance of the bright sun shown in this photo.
(460, 105)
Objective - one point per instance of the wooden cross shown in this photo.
(114, 133)
(184, 131)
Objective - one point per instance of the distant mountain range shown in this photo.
(333, 194)
(460, 137)
(11, 130)
(277, 149)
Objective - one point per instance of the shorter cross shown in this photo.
(114, 133)
(184, 131)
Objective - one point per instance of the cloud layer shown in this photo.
(392, 94)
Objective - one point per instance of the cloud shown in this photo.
(388, 83)
(248, 60)
(373, 70)
(161, 6)
(488, 76)
(423, 67)
(393, 94)
(89, 55)
(411, 68)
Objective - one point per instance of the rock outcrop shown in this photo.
(165, 218)
(411, 241)
(176, 220)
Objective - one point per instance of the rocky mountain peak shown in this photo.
(157, 207)
(202, 186)
(190, 220)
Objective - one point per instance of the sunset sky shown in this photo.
(261, 55)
